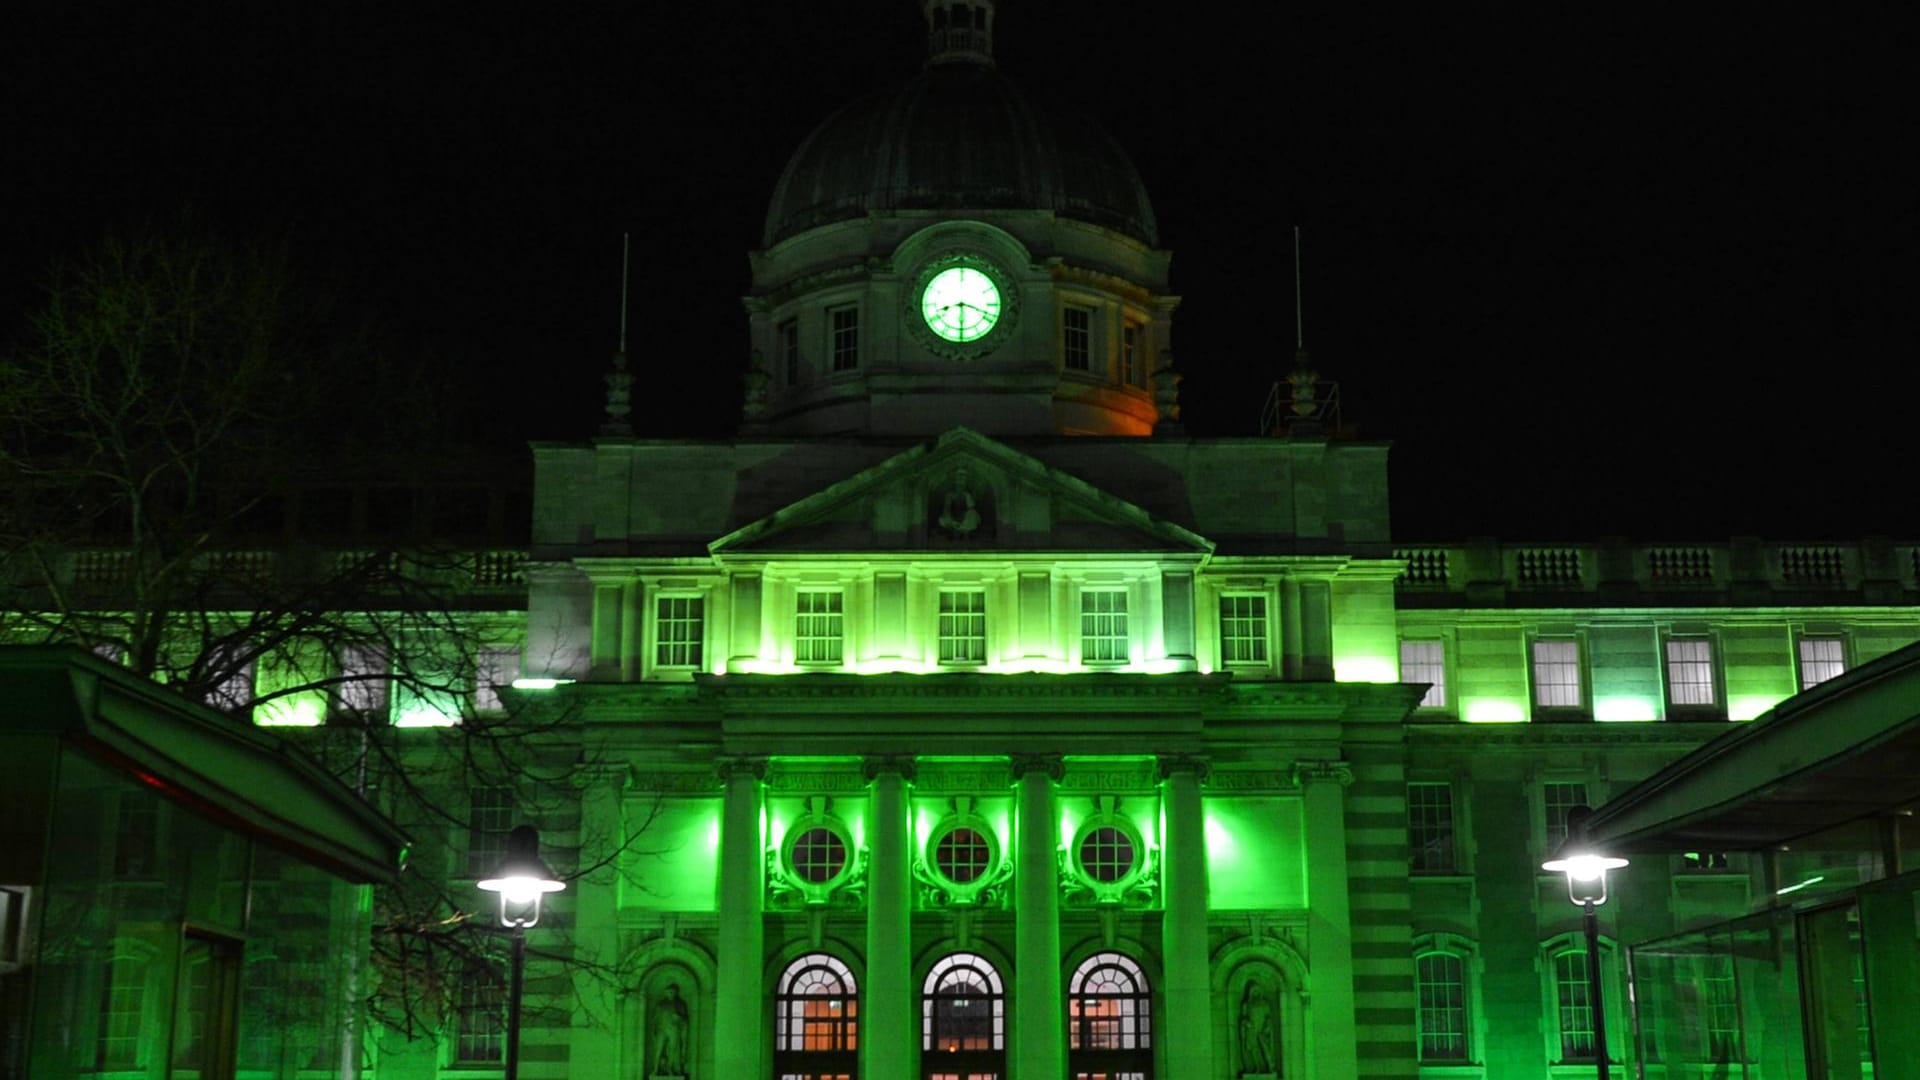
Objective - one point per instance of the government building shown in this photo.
(964, 718)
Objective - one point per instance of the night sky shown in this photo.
(1624, 275)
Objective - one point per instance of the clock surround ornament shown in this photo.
(961, 305)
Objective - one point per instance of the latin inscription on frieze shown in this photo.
(1127, 778)
(816, 780)
(1250, 780)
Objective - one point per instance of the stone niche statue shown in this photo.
(1259, 1054)
(669, 1033)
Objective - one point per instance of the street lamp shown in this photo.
(1586, 872)
(522, 880)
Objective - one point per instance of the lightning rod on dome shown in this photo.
(626, 245)
(1299, 326)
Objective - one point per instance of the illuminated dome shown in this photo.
(960, 136)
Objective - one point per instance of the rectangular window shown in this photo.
(1426, 662)
(846, 337)
(1430, 828)
(963, 626)
(1556, 673)
(1690, 672)
(1076, 338)
(817, 626)
(489, 819)
(362, 690)
(1441, 982)
(1722, 1005)
(136, 837)
(494, 668)
(1130, 358)
(679, 628)
(789, 337)
(1103, 626)
(122, 1008)
(480, 1034)
(1243, 629)
(1821, 658)
(232, 689)
(1575, 999)
(1559, 799)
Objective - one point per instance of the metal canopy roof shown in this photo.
(248, 780)
(1846, 750)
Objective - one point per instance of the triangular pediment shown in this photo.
(962, 492)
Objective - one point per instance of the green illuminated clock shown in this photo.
(960, 304)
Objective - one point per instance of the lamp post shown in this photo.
(522, 879)
(1587, 885)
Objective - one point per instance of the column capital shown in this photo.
(903, 765)
(1199, 765)
(1052, 764)
(1322, 770)
(740, 765)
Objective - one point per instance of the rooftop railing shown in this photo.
(1874, 571)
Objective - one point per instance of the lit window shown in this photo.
(1426, 662)
(846, 337)
(1243, 629)
(1441, 981)
(1556, 674)
(1131, 371)
(494, 668)
(1430, 828)
(1722, 1006)
(479, 1033)
(817, 626)
(1559, 800)
(679, 629)
(1821, 658)
(1103, 626)
(1106, 854)
(789, 334)
(1575, 999)
(1109, 1009)
(362, 690)
(962, 855)
(963, 626)
(489, 819)
(818, 855)
(1076, 338)
(232, 686)
(816, 1018)
(1690, 672)
(962, 1012)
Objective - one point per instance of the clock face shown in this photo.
(961, 304)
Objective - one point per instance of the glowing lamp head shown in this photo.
(1586, 874)
(522, 879)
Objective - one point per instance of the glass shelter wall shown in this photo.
(171, 947)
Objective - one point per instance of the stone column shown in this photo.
(1291, 643)
(738, 1018)
(595, 1046)
(1316, 630)
(608, 618)
(888, 1004)
(1188, 989)
(1329, 931)
(632, 601)
(1039, 1044)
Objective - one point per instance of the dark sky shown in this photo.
(1612, 274)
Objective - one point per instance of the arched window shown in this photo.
(963, 1024)
(1441, 980)
(1571, 996)
(816, 1021)
(1110, 1021)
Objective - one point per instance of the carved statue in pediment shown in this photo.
(959, 510)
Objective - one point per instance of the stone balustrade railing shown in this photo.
(1874, 571)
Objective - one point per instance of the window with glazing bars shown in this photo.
(1243, 629)
(1556, 674)
(122, 1007)
(489, 819)
(1559, 800)
(1426, 662)
(495, 668)
(1441, 981)
(1103, 626)
(1575, 999)
(1130, 358)
(1821, 658)
(479, 1030)
(1690, 672)
(679, 628)
(963, 626)
(817, 626)
(846, 337)
(1722, 1006)
(1430, 828)
(362, 690)
(1076, 338)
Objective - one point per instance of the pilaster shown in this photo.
(889, 1001)
(1188, 989)
(1331, 1020)
(1038, 1021)
(738, 1018)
